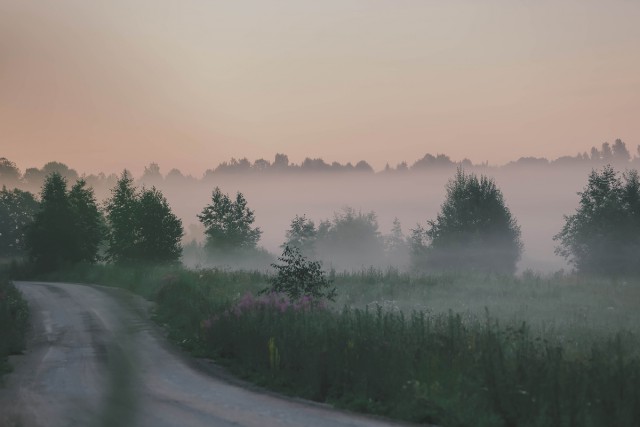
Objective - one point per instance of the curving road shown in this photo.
(94, 359)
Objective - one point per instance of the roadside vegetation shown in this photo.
(449, 349)
(14, 322)
(459, 340)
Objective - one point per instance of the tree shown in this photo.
(152, 175)
(298, 277)
(51, 238)
(473, 231)
(302, 234)
(121, 213)
(89, 221)
(603, 235)
(281, 162)
(351, 240)
(142, 226)
(67, 228)
(606, 153)
(17, 211)
(9, 172)
(620, 152)
(228, 224)
(36, 177)
(160, 231)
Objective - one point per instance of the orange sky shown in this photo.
(108, 85)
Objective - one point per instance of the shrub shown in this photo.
(142, 226)
(67, 227)
(299, 277)
(14, 321)
(473, 231)
(603, 236)
(228, 224)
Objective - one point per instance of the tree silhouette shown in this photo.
(159, 230)
(350, 239)
(17, 211)
(620, 151)
(473, 231)
(89, 222)
(142, 226)
(121, 214)
(228, 224)
(298, 277)
(603, 235)
(67, 227)
(9, 172)
(302, 234)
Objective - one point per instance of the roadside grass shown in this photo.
(452, 350)
(14, 322)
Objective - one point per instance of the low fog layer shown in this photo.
(537, 198)
(537, 195)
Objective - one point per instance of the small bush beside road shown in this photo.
(14, 321)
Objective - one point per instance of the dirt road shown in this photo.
(94, 359)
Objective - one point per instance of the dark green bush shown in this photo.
(298, 277)
(14, 321)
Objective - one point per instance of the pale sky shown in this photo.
(106, 85)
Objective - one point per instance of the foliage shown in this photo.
(603, 236)
(298, 277)
(302, 234)
(159, 230)
(228, 224)
(14, 322)
(427, 366)
(473, 231)
(442, 369)
(17, 210)
(51, 237)
(142, 226)
(9, 172)
(121, 215)
(396, 245)
(36, 177)
(351, 238)
(67, 228)
(89, 222)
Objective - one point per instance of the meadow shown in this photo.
(447, 349)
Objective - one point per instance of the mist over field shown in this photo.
(538, 196)
(421, 210)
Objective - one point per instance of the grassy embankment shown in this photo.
(14, 319)
(450, 350)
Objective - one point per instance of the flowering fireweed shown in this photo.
(271, 301)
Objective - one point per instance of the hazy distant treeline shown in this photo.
(616, 153)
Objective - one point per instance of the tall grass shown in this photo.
(14, 322)
(454, 350)
(438, 368)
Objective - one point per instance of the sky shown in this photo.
(106, 85)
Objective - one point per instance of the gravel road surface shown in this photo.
(94, 359)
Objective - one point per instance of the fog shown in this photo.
(537, 197)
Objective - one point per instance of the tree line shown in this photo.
(616, 153)
(474, 230)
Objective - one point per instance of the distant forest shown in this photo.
(616, 154)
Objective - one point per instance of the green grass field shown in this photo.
(454, 350)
